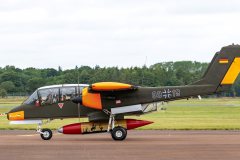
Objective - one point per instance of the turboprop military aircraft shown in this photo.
(107, 103)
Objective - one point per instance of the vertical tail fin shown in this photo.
(223, 69)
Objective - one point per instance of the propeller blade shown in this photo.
(79, 111)
(78, 100)
(78, 87)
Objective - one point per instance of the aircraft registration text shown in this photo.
(167, 93)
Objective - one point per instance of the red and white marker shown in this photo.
(118, 101)
(60, 105)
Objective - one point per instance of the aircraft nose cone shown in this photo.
(60, 130)
(77, 100)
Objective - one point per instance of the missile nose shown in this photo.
(147, 122)
(133, 123)
(60, 130)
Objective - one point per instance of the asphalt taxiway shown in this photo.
(150, 144)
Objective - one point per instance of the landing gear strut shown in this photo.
(45, 134)
(118, 133)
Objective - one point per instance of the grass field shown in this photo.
(174, 118)
(11, 101)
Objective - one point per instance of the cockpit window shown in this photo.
(33, 99)
(49, 96)
(67, 93)
(55, 95)
(80, 88)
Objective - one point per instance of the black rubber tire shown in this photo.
(48, 136)
(119, 133)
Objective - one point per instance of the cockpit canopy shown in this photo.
(54, 94)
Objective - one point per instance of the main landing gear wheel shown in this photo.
(119, 133)
(47, 134)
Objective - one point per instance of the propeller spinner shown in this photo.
(77, 99)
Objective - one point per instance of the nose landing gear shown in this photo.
(45, 134)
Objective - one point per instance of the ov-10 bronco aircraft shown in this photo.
(107, 103)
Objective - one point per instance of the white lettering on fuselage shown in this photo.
(166, 93)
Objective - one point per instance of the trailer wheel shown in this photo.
(119, 133)
(47, 134)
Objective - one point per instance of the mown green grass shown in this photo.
(174, 118)
(9, 104)
(207, 101)
(195, 118)
(11, 101)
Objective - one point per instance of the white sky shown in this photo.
(52, 33)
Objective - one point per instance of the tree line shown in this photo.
(14, 79)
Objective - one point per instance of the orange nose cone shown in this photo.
(16, 116)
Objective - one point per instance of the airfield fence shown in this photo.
(19, 94)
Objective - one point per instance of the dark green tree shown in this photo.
(180, 73)
(3, 93)
(7, 85)
(35, 83)
(12, 76)
(84, 77)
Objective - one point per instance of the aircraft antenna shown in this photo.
(143, 71)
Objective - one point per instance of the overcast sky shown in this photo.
(52, 33)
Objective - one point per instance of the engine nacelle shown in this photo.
(93, 100)
(109, 86)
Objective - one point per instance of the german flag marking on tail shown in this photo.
(223, 60)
